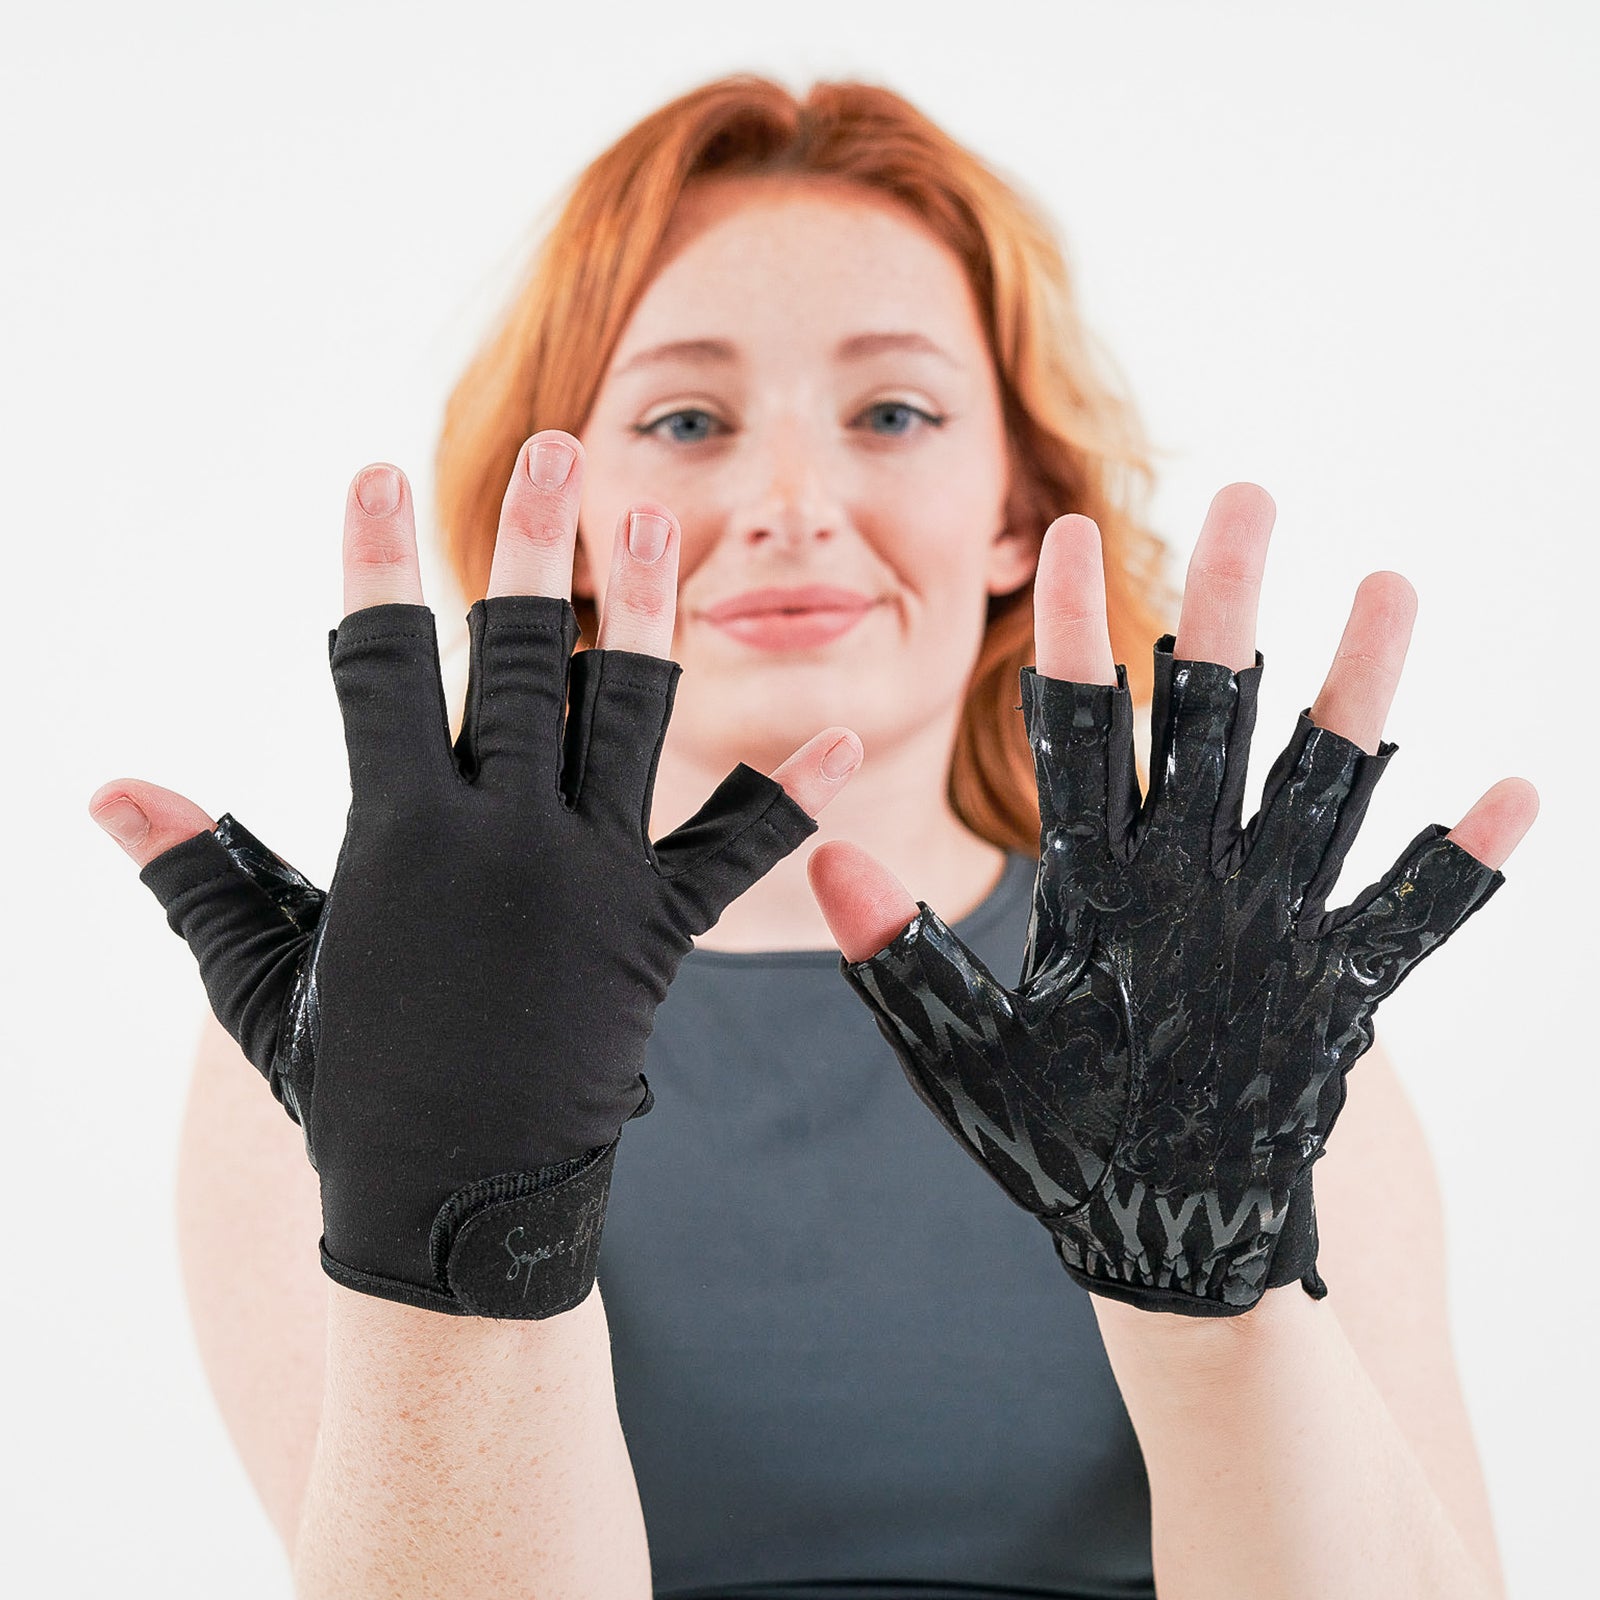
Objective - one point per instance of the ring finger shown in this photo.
(1356, 695)
(641, 598)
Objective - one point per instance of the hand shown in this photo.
(458, 1024)
(1166, 1072)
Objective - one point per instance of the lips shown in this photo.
(789, 602)
(786, 620)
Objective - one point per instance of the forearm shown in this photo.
(1275, 1467)
(467, 1457)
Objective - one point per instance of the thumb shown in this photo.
(146, 819)
(247, 916)
(864, 904)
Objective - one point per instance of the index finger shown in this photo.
(1071, 636)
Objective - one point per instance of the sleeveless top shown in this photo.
(846, 1362)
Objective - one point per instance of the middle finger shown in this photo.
(1222, 590)
(538, 530)
(1221, 597)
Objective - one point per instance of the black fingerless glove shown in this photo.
(459, 1023)
(1158, 1085)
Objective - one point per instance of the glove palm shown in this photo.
(1168, 1068)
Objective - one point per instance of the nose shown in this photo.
(789, 498)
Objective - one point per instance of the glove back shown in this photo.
(458, 1024)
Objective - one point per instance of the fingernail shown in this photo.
(549, 463)
(647, 535)
(124, 821)
(842, 758)
(378, 490)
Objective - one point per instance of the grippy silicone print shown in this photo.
(1167, 1070)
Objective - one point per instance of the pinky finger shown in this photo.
(820, 768)
(1494, 826)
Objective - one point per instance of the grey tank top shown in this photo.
(847, 1364)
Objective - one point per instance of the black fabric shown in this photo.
(884, 1590)
(841, 1353)
(459, 1024)
(1161, 1080)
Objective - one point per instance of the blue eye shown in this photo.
(689, 426)
(893, 417)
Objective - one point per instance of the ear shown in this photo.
(1013, 558)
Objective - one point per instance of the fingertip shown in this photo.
(645, 545)
(1394, 593)
(865, 905)
(550, 458)
(378, 489)
(842, 757)
(641, 599)
(146, 819)
(1529, 795)
(648, 509)
(1495, 826)
(1074, 527)
(1071, 552)
(820, 768)
(1071, 633)
(105, 792)
(829, 863)
(380, 540)
(570, 439)
(119, 815)
(1516, 802)
(1248, 501)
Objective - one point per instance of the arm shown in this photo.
(1264, 1414)
(429, 1023)
(470, 1457)
(1331, 1433)
(1332, 1429)
(1275, 1467)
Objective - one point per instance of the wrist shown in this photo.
(1130, 1332)
(492, 1445)
(389, 1345)
(516, 1245)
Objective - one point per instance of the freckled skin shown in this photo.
(1160, 1082)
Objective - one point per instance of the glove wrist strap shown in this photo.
(517, 1245)
(1293, 1258)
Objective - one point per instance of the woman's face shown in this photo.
(806, 384)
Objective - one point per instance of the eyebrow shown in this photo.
(712, 352)
(862, 345)
(699, 352)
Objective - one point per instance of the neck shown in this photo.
(889, 808)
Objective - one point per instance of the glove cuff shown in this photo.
(1293, 1257)
(517, 1245)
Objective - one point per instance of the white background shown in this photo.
(1347, 252)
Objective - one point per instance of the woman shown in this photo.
(815, 346)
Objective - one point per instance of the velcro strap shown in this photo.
(510, 1249)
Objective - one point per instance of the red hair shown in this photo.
(1075, 441)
